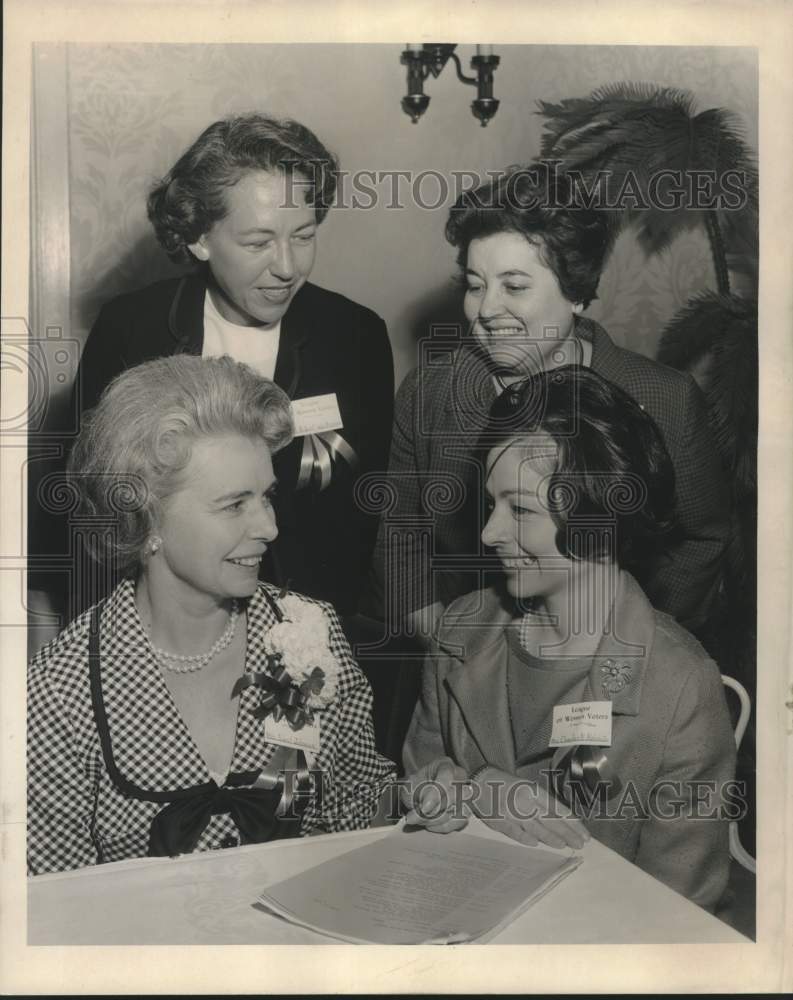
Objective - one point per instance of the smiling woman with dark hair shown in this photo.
(531, 255)
(606, 464)
(191, 198)
(538, 203)
(578, 487)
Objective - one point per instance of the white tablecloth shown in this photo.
(209, 899)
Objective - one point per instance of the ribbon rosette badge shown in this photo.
(302, 673)
(320, 451)
(583, 774)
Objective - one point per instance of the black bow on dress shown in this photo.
(177, 828)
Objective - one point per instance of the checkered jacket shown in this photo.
(440, 410)
(76, 816)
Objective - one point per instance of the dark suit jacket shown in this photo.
(328, 344)
(440, 410)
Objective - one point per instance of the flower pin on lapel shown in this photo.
(614, 676)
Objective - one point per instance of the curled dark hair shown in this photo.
(611, 465)
(190, 199)
(538, 202)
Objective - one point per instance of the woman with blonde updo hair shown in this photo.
(156, 718)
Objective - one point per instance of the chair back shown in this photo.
(737, 850)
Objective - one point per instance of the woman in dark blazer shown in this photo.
(243, 204)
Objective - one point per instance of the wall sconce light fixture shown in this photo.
(423, 60)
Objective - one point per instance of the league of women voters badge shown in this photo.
(282, 734)
(317, 420)
(582, 722)
(316, 414)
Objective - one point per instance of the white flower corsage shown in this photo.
(302, 644)
(302, 673)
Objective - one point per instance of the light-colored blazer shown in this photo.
(670, 725)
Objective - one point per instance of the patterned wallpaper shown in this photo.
(133, 108)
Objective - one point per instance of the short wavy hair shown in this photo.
(190, 198)
(610, 463)
(538, 202)
(134, 446)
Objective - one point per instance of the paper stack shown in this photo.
(419, 888)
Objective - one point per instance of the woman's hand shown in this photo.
(433, 797)
(524, 811)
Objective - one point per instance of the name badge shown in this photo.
(316, 414)
(587, 722)
(281, 733)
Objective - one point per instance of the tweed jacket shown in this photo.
(441, 409)
(77, 816)
(670, 728)
(328, 344)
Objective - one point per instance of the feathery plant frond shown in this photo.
(691, 333)
(638, 132)
(723, 329)
(620, 139)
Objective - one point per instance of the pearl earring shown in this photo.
(155, 544)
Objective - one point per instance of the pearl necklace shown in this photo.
(179, 664)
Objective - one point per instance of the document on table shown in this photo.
(419, 888)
